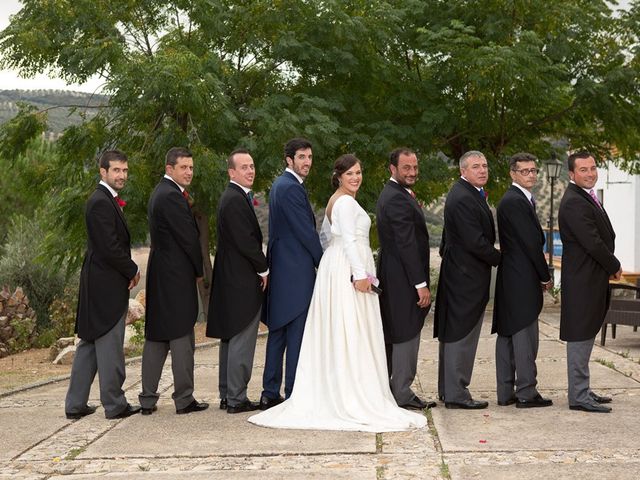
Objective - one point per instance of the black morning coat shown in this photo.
(107, 268)
(588, 244)
(522, 268)
(175, 260)
(468, 254)
(403, 262)
(236, 287)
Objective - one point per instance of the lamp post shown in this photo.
(553, 172)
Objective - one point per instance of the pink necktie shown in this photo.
(595, 199)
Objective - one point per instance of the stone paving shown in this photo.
(38, 442)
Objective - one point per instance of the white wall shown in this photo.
(620, 194)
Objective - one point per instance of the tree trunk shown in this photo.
(204, 287)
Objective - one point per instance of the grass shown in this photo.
(606, 363)
(444, 468)
(73, 453)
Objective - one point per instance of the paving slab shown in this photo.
(556, 471)
(496, 443)
(418, 442)
(214, 432)
(222, 475)
(25, 427)
(550, 428)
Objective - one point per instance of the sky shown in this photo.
(9, 80)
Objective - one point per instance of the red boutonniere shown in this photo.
(121, 202)
(255, 202)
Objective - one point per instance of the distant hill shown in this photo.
(59, 103)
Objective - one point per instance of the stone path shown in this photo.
(38, 442)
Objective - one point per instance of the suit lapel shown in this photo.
(240, 191)
(119, 211)
(600, 211)
(292, 178)
(534, 215)
(476, 195)
(481, 201)
(403, 191)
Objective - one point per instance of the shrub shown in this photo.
(62, 317)
(21, 265)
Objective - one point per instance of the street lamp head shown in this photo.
(553, 169)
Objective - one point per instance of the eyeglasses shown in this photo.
(528, 171)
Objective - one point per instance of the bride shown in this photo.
(341, 380)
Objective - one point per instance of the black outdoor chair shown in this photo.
(622, 310)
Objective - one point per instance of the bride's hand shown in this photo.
(363, 285)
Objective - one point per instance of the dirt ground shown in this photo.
(33, 365)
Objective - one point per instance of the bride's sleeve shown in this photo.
(345, 213)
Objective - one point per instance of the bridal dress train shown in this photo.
(341, 380)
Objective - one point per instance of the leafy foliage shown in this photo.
(62, 315)
(352, 76)
(20, 265)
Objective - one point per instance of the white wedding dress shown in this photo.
(341, 380)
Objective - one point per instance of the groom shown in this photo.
(293, 255)
(403, 270)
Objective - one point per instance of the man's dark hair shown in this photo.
(571, 161)
(394, 156)
(175, 153)
(520, 157)
(231, 163)
(111, 156)
(293, 145)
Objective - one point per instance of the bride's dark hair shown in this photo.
(341, 165)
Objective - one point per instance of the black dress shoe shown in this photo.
(592, 408)
(149, 411)
(266, 403)
(87, 410)
(223, 404)
(246, 406)
(127, 412)
(194, 406)
(470, 404)
(537, 401)
(508, 402)
(416, 403)
(599, 398)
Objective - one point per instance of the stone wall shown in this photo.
(17, 322)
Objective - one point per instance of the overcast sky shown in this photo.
(9, 80)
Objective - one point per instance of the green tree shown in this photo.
(351, 75)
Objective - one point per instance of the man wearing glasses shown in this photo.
(522, 276)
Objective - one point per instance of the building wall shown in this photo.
(620, 195)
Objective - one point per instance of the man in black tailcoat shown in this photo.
(588, 263)
(403, 271)
(175, 265)
(468, 253)
(240, 276)
(522, 276)
(108, 273)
